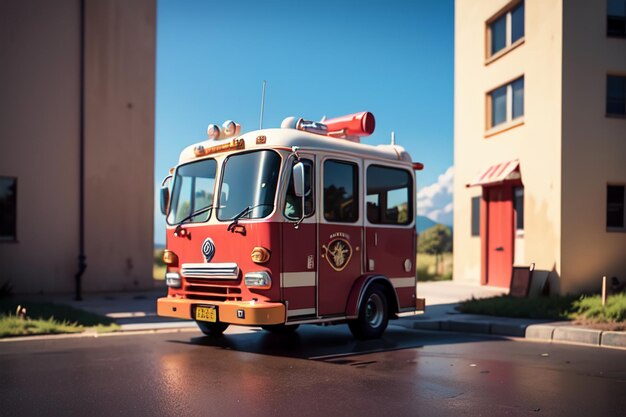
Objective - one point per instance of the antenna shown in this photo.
(262, 105)
(393, 137)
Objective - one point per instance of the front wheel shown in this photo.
(212, 329)
(373, 315)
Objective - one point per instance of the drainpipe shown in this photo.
(82, 259)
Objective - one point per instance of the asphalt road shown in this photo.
(315, 372)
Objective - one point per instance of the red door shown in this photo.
(340, 234)
(499, 242)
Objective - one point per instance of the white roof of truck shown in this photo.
(287, 138)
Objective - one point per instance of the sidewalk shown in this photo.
(441, 314)
(136, 311)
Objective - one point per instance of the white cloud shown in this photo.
(435, 201)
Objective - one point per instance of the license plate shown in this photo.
(206, 313)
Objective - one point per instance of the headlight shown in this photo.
(260, 280)
(172, 279)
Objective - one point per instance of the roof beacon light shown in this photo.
(228, 130)
(351, 126)
(213, 132)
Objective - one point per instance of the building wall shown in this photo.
(39, 142)
(536, 143)
(39, 136)
(594, 148)
(119, 155)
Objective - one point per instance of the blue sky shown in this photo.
(393, 58)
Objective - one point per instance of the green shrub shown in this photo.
(591, 308)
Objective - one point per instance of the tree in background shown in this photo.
(435, 241)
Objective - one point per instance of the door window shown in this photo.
(341, 192)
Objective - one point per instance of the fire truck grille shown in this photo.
(198, 289)
(228, 270)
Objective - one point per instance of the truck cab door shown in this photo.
(299, 246)
(340, 233)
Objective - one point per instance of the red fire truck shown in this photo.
(282, 227)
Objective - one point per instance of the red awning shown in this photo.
(497, 174)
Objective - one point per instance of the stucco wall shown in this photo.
(594, 148)
(39, 133)
(119, 156)
(536, 143)
(39, 136)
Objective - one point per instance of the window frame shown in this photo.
(8, 238)
(617, 229)
(509, 123)
(507, 12)
(357, 188)
(411, 197)
(313, 184)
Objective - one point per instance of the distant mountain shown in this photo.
(422, 223)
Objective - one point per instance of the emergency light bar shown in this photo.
(350, 127)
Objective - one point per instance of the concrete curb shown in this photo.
(550, 333)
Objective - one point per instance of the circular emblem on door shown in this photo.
(338, 253)
(208, 249)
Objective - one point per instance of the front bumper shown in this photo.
(254, 313)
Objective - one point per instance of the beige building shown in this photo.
(77, 110)
(540, 142)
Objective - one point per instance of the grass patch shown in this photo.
(428, 270)
(48, 318)
(556, 308)
(587, 310)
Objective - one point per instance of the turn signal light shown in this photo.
(170, 258)
(260, 255)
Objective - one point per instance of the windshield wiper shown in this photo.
(235, 221)
(179, 225)
(247, 210)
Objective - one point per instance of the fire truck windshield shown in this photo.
(192, 192)
(248, 186)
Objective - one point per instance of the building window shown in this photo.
(506, 103)
(505, 29)
(616, 95)
(8, 208)
(615, 206)
(389, 192)
(341, 192)
(518, 206)
(616, 18)
(475, 216)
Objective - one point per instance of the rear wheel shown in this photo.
(212, 329)
(373, 315)
(281, 328)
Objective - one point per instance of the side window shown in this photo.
(475, 216)
(389, 195)
(8, 208)
(293, 204)
(341, 192)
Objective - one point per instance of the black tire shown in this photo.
(373, 315)
(281, 328)
(212, 329)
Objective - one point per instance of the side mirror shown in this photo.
(298, 179)
(165, 200)
(165, 196)
(298, 186)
